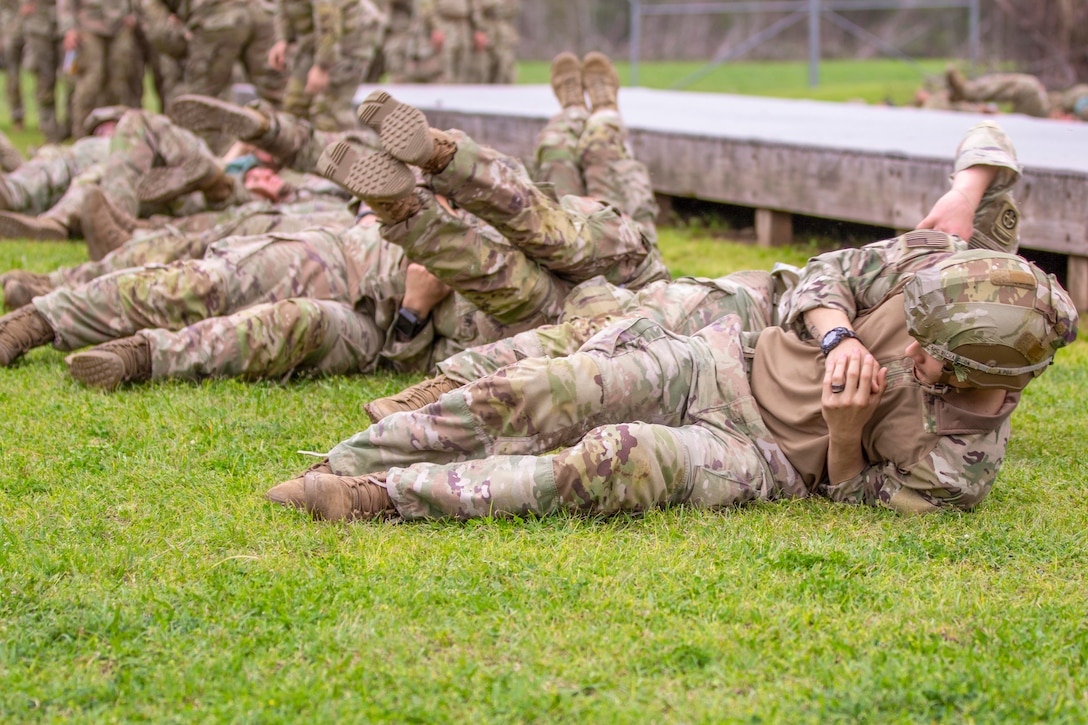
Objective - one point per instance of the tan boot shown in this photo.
(106, 366)
(10, 158)
(20, 331)
(957, 84)
(346, 498)
(567, 81)
(405, 133)
(21, 226)
(203, 113)
(100, 227)
(372, 175)
(601, 81)
(291, 492)
(413, 397)
(166, 183)
(20, 287)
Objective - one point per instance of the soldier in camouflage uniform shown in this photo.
(108, 68)
(1072, 102)
(917, 424)
(46, 48)
(327, 47)
(448, 26)
(395, 48)
(13, 35)
(1024, 92)
(497, 41)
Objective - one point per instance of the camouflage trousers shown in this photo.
(456, 54)
(1025, 92)
(41, 181)
(235, 273)
(13, 39)
(586, 154)
(545, 246)
(334, 108)
(189, 240)
(480, 450)
(683, 306)
(47, 53)
(108, 72)
(142, 140)
(997, 217)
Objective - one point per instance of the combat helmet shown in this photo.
(102, 115)
(994, 319)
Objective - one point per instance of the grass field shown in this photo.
(144, 577)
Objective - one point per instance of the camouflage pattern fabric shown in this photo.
(498, 61)
(41, 181)
(235, 273)
(1073, 101)
(477, 451)
(296, 143)
(141, 141)
(683, 306)
(1024, 92)
(271, 340)
(108, 67)
(44, 46)
(12, 35)
(586, 154)
(575, 239)
(10, 158)
(997, 218)
(453, 19)
(395, 47)
(339, 36)
(188, 241)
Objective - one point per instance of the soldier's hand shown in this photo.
(953, 214)
(317, 80)
(71, 39)
(438, 39)
(849, 346)
(852, 388)
(26, 9)
(479, 41)
(277, 56)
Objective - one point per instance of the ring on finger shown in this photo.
(837, 387)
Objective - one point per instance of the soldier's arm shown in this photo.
(957, 474)
(281, 25)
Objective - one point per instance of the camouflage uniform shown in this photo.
(1025, 92)
(108, 67)
(41, 181)
(13, 34)
(1073, 101)
(497, 63)
(397, 40)
(10, 158)
(454, 20)
(687, 304)
(44, 43)
(140, 141)
(340, 37)
(559, 244)
(164, 44)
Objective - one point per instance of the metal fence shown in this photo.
(814, 11)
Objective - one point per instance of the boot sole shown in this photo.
(19, 226)
(404, 130)
(367, 174)
(200, 113)
(163, 184)
(97, 369)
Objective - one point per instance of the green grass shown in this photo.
(143, 576)
(840, 80)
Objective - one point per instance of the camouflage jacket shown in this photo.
(101, 17)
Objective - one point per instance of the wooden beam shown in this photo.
(1076, 281)
(773, 228)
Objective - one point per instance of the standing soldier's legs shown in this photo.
(14, 44)
(334, 109)
(46, 53)
(268, 83)
(91, 77)
(296, 101)
(125, 73)
(213, 49)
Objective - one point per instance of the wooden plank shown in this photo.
(773, 228)
(1076, 281)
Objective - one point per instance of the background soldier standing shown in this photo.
(46, 50)
(108, 67)
(327, 48)
(12, 37)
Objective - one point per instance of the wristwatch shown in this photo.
(408, 324)
(833, 337)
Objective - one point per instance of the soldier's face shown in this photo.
(266, 183)
(927, 368)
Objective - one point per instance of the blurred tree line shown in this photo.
(1046, 37)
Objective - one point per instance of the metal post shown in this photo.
(973, 24)
(636, 37)
(813, 43)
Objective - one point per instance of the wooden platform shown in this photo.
(868, 164)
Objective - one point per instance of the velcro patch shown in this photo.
(927, 239)
(1013, 278)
